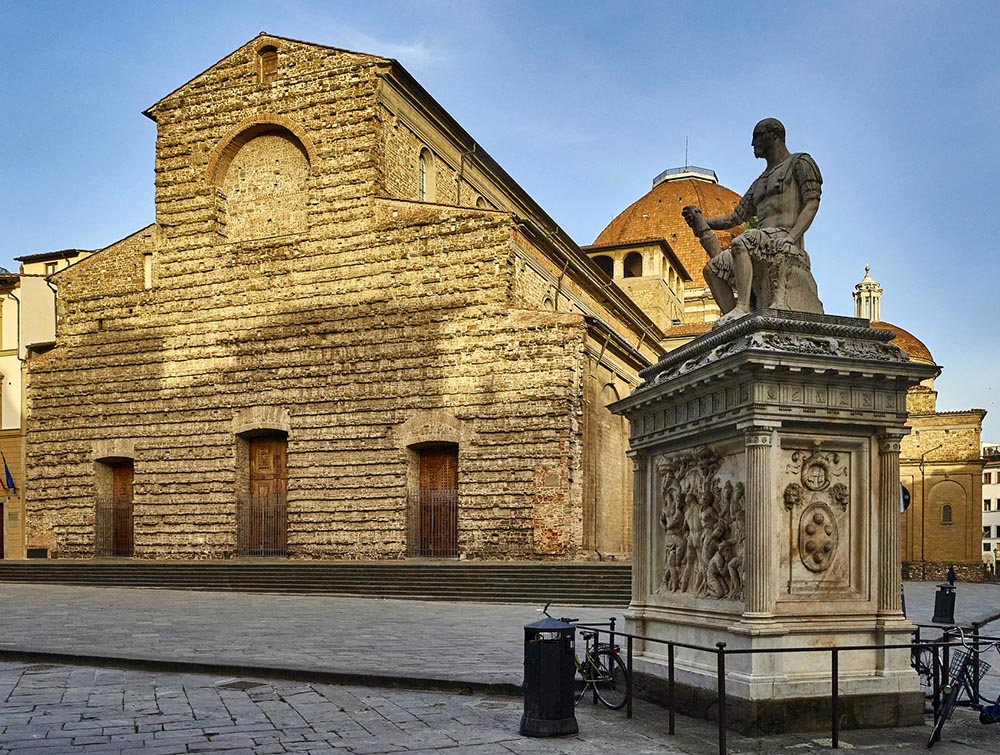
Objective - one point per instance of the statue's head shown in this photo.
(765, 133)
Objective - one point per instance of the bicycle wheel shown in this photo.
(947, 708)
(612, 681)
(922, 660)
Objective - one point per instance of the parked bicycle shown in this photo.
(967, 668)
(601, 669)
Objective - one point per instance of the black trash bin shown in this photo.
(549, 672)
(944, 604)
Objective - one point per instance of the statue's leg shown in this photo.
(743, 280)
(722, 292)
(743, 271)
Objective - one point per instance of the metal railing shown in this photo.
(720, 651)
(434, 529)
(113, 527)
(262, 525)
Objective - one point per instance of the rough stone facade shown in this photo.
(335, 264)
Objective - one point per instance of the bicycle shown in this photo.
(961, 675)
(601, 669)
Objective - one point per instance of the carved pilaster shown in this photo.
(759, 552)
(640, 526)
(888, 526)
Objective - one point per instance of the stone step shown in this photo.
(564, 584)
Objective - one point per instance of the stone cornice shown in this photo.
(780, 321)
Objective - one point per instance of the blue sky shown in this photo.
(583, 103)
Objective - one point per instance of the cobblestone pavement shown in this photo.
(973, 602)
(418, 639)
(49, 709)
(62, 710)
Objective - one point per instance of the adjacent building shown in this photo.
(27, 327)
(991, 506)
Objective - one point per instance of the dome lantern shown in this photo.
(868, 298)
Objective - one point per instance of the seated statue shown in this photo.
(766, 266)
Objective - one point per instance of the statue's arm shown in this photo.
(803, 221)
(810, 183)
(744, 210)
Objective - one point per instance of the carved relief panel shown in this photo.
(823, 514)
(699, 531)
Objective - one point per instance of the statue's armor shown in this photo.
(781, 272)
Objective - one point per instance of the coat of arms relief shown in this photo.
(816, 499)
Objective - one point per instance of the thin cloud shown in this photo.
(418, 55)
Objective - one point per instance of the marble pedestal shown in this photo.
(766, 516)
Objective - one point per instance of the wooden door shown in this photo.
(122, 527)
(439, 501)
(268, 525)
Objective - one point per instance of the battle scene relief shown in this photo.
(702, 522)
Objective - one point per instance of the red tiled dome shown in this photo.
(913, 346)
(658, 216)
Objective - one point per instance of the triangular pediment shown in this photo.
(308, 55)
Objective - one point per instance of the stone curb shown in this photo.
(313, 676)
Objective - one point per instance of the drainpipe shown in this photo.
(923, 511)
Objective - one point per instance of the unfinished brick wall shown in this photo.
(296, 288)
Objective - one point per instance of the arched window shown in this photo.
(267, 64)
(946, 516)
(633, 265)
(426, 189)
(606, 264)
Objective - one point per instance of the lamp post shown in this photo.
(923, 511)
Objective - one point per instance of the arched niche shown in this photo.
(261, 174)
(947, 515)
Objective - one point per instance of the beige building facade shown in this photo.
(347, 334)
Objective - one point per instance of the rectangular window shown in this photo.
(987, 478)
(986, 547)
(987, 504)
(986, 531)
(50, 268)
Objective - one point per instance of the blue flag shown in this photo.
(8, 477)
